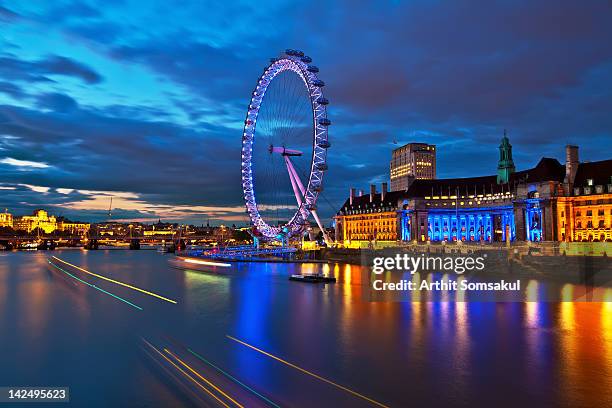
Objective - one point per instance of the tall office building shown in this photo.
(412, 161)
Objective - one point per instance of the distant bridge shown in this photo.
(103, 237)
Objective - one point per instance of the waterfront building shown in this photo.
(112, 229)
(73, 227)
(161, 229)
(6, 219)
(367, 218)
(547, 202)
(159, 232)
(412, 161)
(584, 213)
(39, 219)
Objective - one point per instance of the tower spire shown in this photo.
(505, 165)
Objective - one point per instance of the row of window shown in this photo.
(589, 224)
(589, 213)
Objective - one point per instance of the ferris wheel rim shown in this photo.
(294, 61)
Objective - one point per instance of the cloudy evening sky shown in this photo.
(145, 101)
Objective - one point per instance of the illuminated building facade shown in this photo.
(369, 218)
(40, 219)
(585, 212)
(6, 219)
(412, 161)
(529, 205)
(73, 227)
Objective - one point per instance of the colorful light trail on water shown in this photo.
(95, 287)
(310, 373)
(146, 292)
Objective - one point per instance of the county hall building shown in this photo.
(549, 202)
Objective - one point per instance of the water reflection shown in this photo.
(545, 353)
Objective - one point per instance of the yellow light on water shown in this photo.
(146, 292)
(209, 263)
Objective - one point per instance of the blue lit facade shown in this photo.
(533, 219)
(406, 226)
(474, 224)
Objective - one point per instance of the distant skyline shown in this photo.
(146, 104)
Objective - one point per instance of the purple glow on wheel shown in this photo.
(320, 144)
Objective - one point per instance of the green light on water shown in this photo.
(95, 287)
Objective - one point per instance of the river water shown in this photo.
(55, 330)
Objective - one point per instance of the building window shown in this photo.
(589, 213)
(600, 212)
(578, 213)
(589, 182)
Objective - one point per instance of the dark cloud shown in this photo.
(65, 66)
(62, 12)
(13, 68)
(209, 71)
(90, 150)
(57, 102)
(12, 90)
(8, 15)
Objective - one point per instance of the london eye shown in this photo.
(284, 148)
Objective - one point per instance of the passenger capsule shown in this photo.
(322, 101)
(324, 144)
(321, 166)
(324, 122)
(289, 51)
(318, 82)
(312, 68)
(273, 60)
(306, 59)
(298, 53)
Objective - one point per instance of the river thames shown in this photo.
(288, 343)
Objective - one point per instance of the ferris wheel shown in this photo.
(284, 147)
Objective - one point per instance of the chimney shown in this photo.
(372, 192)
(571, 163)
(384, 191)
(351, 195)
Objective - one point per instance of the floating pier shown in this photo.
(313, 278)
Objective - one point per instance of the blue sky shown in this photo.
(145, 101)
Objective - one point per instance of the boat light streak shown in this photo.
(219, 390)
(95, 287)
(232, 378)
(146, 292)
(318, 377)
(187, 375)
(201, 262)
